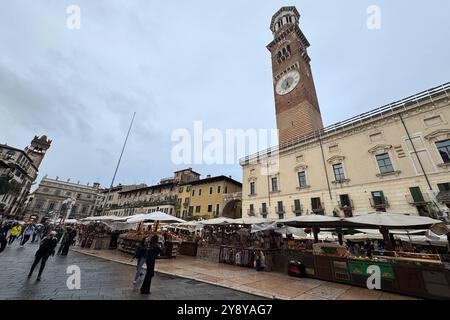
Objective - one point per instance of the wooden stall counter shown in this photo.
(188, 248)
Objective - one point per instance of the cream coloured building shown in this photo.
(394, 158)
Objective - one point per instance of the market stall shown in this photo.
(403, 269)
(94, 235)
(210, 237)
(231, 241)
(169, 240)
(187, 233)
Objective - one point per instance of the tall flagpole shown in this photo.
(118, 164)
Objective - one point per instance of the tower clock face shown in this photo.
(288, 82)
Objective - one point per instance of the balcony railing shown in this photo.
(379, 203)
(349, 204)
(425, 199)
(251, 212)
(319, 210)
(280, 210)
(232, 196)
(297, 210)
(264, 212)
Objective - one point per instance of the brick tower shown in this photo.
(296, 104)
(37, 149)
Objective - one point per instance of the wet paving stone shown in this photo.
(100, 280)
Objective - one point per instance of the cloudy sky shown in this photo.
(177, 62)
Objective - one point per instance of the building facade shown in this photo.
(108, 199)
(159, 197)
(18, 170)
(208, 198)
(51, 199)
(395, 158)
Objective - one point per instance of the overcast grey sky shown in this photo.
(175, 62)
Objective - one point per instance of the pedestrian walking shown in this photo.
(141, 256)
(3, 241)
(46, 248)
(6, 227)
(153, 251)
(69, 239)
(26, 234)
(59, 232)
(15, 231)
(36, 233)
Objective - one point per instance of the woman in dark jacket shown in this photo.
(153, 251)
(46, 249)
(141, 256)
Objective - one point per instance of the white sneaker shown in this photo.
(134, 282)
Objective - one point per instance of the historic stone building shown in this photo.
(53, 196)
(109, 198)
(18, 170)
(209, 198)
(395, 158)
(159, 197)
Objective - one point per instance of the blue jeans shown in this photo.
(139, 271)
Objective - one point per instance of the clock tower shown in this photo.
(297, 107)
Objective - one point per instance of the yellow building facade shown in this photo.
(208, 198)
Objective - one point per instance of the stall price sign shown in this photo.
(360, 268)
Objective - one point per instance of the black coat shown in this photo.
(47, 247)
(141, 252)
(152, 254)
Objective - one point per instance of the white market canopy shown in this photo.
(252, 221)
(392, 220)
(364, 236)
(154, 216)
(104, 218)
(399, 231)
(189, 224)
(425, 240)
(217, 221)
(67, 221)
(311, 218)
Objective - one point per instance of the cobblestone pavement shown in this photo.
(100, 279)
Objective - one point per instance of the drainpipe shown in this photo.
(325, 168)
(415, 152)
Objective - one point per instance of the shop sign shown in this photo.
(360, 268)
